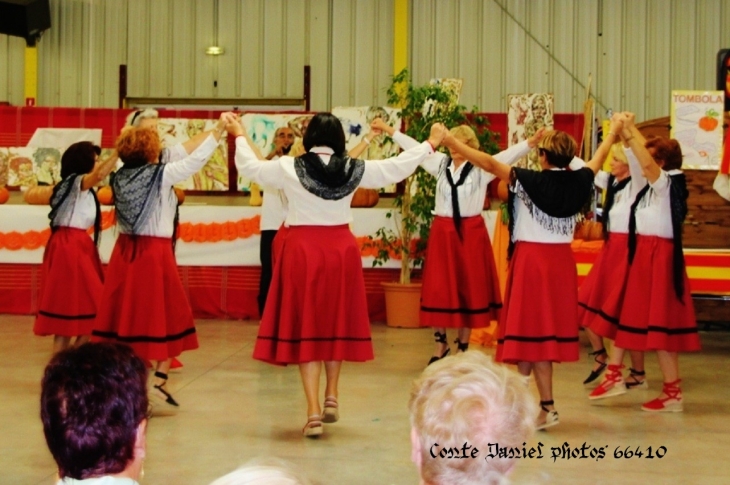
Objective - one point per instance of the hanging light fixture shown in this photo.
(215, 49)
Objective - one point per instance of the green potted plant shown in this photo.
(421, 106)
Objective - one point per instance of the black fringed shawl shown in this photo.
(134, 190)
(62, 204)
(611, 192)
(678, 194)
(332, 181)
(553, 197)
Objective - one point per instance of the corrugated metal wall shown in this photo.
(636, 50)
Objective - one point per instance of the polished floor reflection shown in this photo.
(234, 409)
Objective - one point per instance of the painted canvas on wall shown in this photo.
(696, 119)
(356, 123)
(527, 113)
(451, 85)
(261, 128)
(3, 167)
(214, 175)
(28, 166)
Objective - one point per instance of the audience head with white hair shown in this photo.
(465, 403)
(268, 471)
(143, 118)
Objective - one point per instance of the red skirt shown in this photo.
(72, 284)
(540, 315)
(605, 283)
(277, 245)
(460, 282)
(144, 303)
(316, 309)
(652, 317)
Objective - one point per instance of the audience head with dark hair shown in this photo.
(325, 130)
(79, 158)
(94, 411)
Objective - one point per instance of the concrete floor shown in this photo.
(234, 409)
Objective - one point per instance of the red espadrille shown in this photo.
(612, 385)
(670, 404)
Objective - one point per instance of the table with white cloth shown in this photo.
(217, 255)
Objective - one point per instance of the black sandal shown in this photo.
(595, 374)
(440, 338)
(462, 346)
(636, 383)
(159, 388)
(552, 418)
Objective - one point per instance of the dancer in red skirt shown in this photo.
(71, 272)
(607, 277)
(317, 309)
(460, 283)
(144, 304)
(539, 321)
(656, 307)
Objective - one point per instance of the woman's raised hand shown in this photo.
(437, 135)
(378, 126)
(536, 138)
(233, 125)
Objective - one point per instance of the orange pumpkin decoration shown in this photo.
(709, 122)
(180, 195)
(503, 191)
(365, 198)
(38, 195)
(4, 195)
(105, 195)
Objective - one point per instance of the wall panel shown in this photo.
(318, 53)
(636, 50)
(707, 28)
(658, 60)
(491, 60)
(563, 62)
(12, 65)
(633, 58)
(361, 50)
(682, 44)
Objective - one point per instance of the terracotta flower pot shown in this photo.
(402, 304)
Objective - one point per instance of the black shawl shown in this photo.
(553, 197)
(332, 181)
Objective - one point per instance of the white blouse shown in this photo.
(83, 211)
(273, 208)
(654, 213)
(622, 200)
(472, 192)
(305, 208)
(161, 222)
